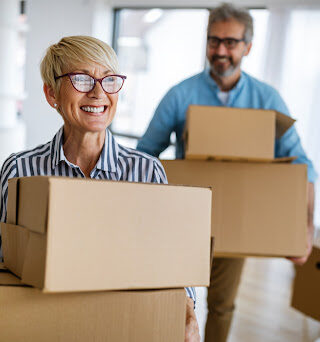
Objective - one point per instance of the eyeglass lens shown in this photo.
(85, 83)
(229, 43)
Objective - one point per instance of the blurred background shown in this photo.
(160, 43)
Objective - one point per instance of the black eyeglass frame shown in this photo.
(69, 74)
(223, 41)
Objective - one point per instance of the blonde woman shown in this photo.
(82, 82)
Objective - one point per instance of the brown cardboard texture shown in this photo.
(27, 314)
(85, 235)
(258, 209)
(233, 133)
(306, 295)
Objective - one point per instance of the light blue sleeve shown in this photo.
(157, 137)
(289, 145)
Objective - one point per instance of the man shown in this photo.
(230, 31)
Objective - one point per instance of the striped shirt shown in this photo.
(116, 162)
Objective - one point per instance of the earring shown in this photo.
(55, 105)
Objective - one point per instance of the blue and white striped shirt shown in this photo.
(116, 162)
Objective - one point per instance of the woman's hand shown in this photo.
(192, 328)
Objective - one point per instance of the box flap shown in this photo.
(284, 160)
(283, 123)
(14, 244)
(12, 207)
(33, 193)
(7, 278)
(35, 260)
(240, 159)
(211, 251)
(24, 253)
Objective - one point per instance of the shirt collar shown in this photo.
(213, 83)
(108, 159)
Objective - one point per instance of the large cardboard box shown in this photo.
(27, 314)
(233, 133)
(66, 234)
(306, 287)
(258, 209)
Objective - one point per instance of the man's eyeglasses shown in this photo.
(84, 83)
(230, 43)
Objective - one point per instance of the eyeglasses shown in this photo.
(230, 43)
(84, 83)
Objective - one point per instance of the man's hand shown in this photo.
(301, 260)
(192, 328)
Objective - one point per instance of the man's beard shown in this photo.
(219, 70)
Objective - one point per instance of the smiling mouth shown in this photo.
(221, 59)
(94, 110)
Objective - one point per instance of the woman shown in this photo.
(81, 81)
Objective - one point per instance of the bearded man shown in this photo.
(229, 40)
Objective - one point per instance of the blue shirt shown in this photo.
(201, 89)
(116, 162)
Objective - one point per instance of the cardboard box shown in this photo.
(258, 209)
(66, 234)
(306, 294)
(233, 133)
(27, 314)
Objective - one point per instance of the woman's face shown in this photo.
(87, 112)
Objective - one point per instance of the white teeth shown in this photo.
(93, 109)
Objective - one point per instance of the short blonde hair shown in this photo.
(69, 52)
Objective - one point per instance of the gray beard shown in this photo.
(225, 73)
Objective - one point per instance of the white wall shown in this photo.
(12, 129)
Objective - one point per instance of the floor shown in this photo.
(263, 311)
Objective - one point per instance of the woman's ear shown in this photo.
(50, 96)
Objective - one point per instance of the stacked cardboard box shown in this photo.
(259, 205)
(27, 314)
(83, 236)
(306, 295)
